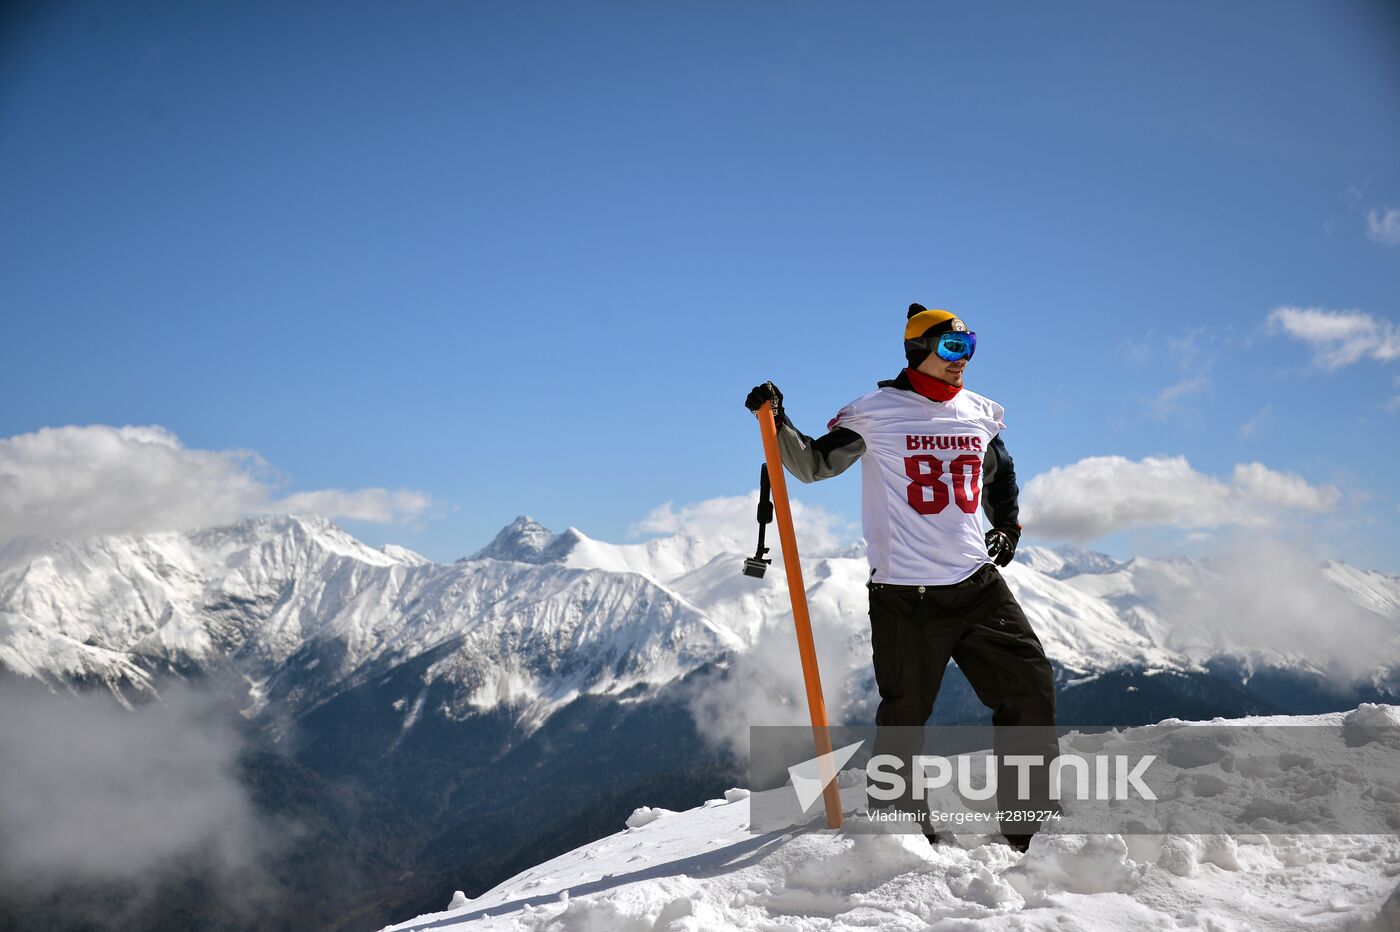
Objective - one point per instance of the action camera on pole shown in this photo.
(756, 565)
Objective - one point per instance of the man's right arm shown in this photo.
(828, 455)
(809, 460)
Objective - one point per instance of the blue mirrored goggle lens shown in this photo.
(955, 345)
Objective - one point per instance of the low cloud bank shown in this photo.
(92, 793)
(76, 482)
(764, 685)
(1101, 495)
(1272, 596)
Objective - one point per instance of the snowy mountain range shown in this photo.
(300, 612)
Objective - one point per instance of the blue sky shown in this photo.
(530, 258)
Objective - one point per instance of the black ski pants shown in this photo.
(915, 630)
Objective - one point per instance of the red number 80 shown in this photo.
(926, 474)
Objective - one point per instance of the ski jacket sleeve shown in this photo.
(999, 491)
(828, 455)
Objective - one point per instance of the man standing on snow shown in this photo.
(932, 455)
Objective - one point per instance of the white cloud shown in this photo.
(1270, 591)
(74, 482)
(1103, 494)
(1339, 338)
(732, 520)
(93, 793)
(1166, 401)
(1383, 226)
(1186, 350)
(1350, 199)
(1255, 486)
(1136, 351)
(377, 506)
(767, 677)
(1251, 426)
(77, 481)
(1189, 353)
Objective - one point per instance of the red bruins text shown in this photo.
(943, 442)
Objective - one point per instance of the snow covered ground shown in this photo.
(704, 870)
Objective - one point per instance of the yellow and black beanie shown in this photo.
(922, 323)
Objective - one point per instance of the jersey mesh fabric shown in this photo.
(917, 533)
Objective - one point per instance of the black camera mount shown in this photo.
(756, 565)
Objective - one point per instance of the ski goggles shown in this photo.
(950, 346)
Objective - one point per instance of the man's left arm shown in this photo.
(999, 502)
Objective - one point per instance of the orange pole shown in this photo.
(806, 649)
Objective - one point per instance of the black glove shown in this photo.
(1001, 545)
(766, 392)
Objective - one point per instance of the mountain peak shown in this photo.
(1064, 562)
(524, 540)
(404, 555)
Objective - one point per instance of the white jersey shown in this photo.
(921, 482)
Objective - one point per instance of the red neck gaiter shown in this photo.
(929, 387)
